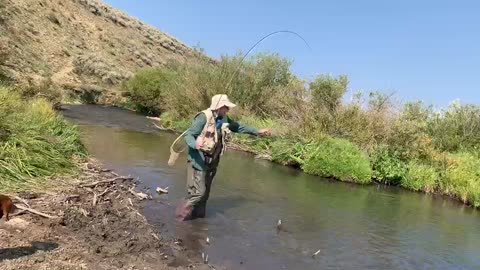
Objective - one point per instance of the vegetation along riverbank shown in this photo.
(370, 138)
(71, 213)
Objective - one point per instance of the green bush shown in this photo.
(338, 158)
(387, 166)
(184, 89)
(327, 92)
(288, 152)
(462, 178)
(420, 177)
(456, 128)
(148, 89)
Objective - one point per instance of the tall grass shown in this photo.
(371, 137)
(35, 142)
(340, 159)
(461, 178)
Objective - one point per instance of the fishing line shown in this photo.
(255, 45)
(173, 154)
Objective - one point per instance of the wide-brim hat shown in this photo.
(218, 101)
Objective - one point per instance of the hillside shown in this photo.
(79, 44)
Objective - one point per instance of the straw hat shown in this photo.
(218, 101)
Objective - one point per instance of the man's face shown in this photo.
(223, 111)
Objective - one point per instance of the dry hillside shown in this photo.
(79, 44)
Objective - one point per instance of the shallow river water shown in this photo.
(354, 227)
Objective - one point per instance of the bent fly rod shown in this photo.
(173, 154)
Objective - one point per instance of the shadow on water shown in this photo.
(18, 252)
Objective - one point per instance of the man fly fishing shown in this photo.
(206, 143)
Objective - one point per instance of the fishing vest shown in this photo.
(209, 136)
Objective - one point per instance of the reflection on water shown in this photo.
(355, 227)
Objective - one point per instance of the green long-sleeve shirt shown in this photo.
(196, 156)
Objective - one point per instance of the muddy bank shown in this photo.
(96, 223)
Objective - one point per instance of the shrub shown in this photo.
(462, 178)
(148, 89)
(387, 166)
(456, 128)
(338, 158)
(420, 177)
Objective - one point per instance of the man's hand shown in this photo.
(265, 132)
(198, 143)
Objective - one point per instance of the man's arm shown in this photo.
(239, 128)
(195, 129)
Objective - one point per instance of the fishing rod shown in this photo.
(173, 154)
(255, 45)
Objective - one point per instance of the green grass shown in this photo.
(35, 142)
(420, 177)
(461, 178)
(340, 159)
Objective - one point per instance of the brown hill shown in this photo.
(79, 44)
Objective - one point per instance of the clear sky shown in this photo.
(424, 49)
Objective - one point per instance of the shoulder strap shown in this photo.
(208, 113)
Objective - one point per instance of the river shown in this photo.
(354, 227)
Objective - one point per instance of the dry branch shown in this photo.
(94, 199)
(139, 195)
(106, 181)
(33, 211)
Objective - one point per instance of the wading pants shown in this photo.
(198, 188)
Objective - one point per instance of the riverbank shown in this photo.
(95, 223)
(342, 161)
(72, 213)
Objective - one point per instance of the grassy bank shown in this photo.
(35, 142)
(370, 138)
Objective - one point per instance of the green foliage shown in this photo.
(289, 152)
(326, 92)
(184, 89)
(340, 159)
(353, 123)
(313, 129)
(34, 140)
(462, 178)
(168, 120)
(456, 128)
(148, 89)
(387, 166)
(420, 177)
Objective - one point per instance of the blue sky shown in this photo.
(428, 50)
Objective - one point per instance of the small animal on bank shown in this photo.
(6, 206)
